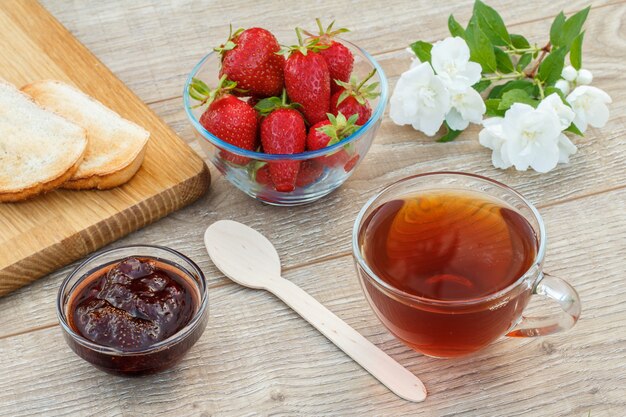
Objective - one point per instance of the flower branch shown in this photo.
(530, 110)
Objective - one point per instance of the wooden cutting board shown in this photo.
(45, 233)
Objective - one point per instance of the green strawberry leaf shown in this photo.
(516, 96)
(455, 27)
(422, 50)
(576, 52)
(267, 105)
(450, 134)
(519, 42)
(481, 48)
(491, 24)
(481, 85)
(523, 61)
(525, 85)
(503, 61)
(572, 27)
(552, 66)
(556, 28)
(493, 107)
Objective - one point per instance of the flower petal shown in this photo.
(455, 120)
(566, 148)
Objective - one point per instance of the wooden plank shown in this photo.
(153, 52)
(258, 356)
(47, 232)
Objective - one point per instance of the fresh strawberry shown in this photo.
(354, 98)
(249, 57)
(338, 57)
(330, 131)
(307, 79)
(349, 166)
(227, 117)
(260, 173)
(283, 131)
(310, 171)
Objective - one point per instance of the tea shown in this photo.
(447, 246)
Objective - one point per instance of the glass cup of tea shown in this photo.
(448, 261)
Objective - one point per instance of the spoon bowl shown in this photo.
(242, 254)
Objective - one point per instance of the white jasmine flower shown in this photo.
(590, 106)
(420, 99)
(563, 85)
(584, 77)
(566, 148)
(554, 104)
(569, 73)
(493, 138)
(467, 106)
(531, 138)
(450, 59)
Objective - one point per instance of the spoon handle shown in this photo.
(389, 372)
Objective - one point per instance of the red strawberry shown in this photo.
(310, 171)
(249, 57)
(227, 117)
(330, 132)
(338, 57)
(283, 132)
(352, 98)
(307, 79)
(349, 166)
(261, 174)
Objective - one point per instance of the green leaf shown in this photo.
(455, 27)
(576, 52)
(573, 129)
(503, 61)
(552, 66)
(525, 85)
(516, 96)
(523, 61)
(551, 90)
(482, 85)
(493, 107)
(450, 134)
(481, 49)
(572, 27)
(491, 24)
(422, 50)
(519, 42)
(555, 29)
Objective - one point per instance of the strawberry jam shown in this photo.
(133, 304)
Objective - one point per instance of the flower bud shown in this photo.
(563, 85)
(569, 73)
(584, 77)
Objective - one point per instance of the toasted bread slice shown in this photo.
(39, 150)
(116, 146)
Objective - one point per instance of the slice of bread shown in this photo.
(116, 146)
(39, 150)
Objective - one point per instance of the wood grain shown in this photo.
(42, 234)
(257, 357)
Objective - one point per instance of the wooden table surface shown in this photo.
(257, 356)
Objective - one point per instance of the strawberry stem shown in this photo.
(366, 79)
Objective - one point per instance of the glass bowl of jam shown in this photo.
(133, 310)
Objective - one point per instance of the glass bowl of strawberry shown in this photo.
(286, 125)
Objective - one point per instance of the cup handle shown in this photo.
(559, 291)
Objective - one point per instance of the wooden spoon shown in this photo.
(248, 258)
